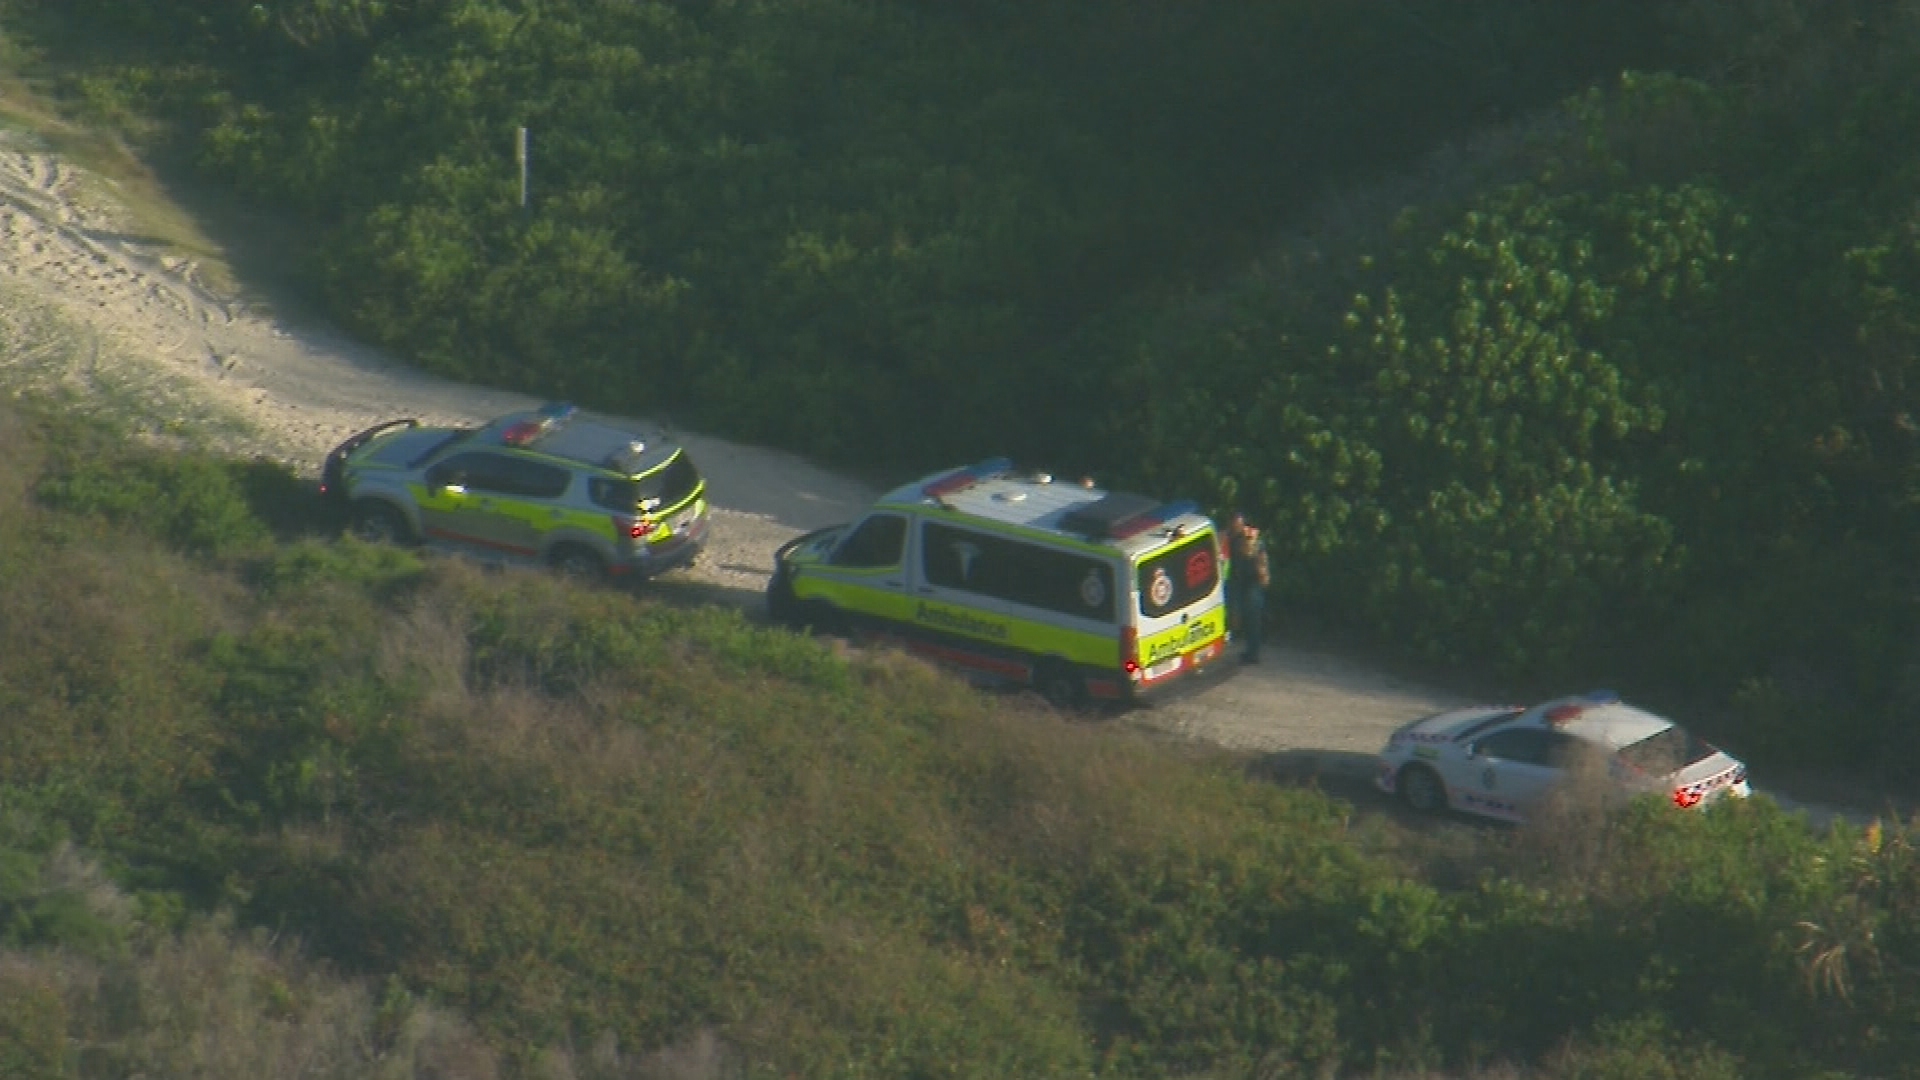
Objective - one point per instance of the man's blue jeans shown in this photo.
(1248, 610)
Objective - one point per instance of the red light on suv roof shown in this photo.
(522, 433)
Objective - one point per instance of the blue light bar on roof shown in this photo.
(1603, 697)
(555, 412)
(961, 479)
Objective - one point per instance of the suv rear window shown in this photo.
(1190, 570)
(671, 484)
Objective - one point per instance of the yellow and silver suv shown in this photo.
(548, 486)
(1079, 593)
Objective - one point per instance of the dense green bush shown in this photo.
(195, 505)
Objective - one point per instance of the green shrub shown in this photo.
(382, 569)
(195, 505)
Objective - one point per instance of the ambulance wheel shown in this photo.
(820, 617)
(1057, 683)
(1422, 790)
(376, 522)
(578, 563)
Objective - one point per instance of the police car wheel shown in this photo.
(1061, 688)
(579, 563)
(1421, 789)
(378, 523)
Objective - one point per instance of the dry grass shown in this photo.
(212, 1003)
(1572, 834)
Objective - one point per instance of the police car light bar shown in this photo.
(1138, 524)
(961, 479)
(1561, 715)
(557, 412)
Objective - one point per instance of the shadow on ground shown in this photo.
(1347, 776)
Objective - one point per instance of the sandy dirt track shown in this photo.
(87, 304)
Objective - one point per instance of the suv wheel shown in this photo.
(378, 523)
(579, 563)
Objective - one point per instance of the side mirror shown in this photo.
(1473, 750)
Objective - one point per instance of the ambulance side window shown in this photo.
(1021, 572)
(875, 543)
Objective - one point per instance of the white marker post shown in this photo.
(520, 155)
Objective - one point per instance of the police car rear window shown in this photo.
(1182, 574)
(1667, 751)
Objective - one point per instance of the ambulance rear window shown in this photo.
(1179, 576)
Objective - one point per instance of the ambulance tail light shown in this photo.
(1686, 798)
(1130, 650)
(632, 527)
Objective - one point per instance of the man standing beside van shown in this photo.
(1247, 580)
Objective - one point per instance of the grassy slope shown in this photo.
(519, 822)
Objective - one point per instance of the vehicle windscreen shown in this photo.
(665, 487)
(1667, 752)
(1479, 726)
(1179, 576)
(443, 445)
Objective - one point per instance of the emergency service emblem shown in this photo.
(1093, 591)
(1160, 589)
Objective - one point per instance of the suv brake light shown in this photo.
(632, 527)
(1130, 649)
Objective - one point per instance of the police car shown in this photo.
(545, 487)
(1504, 762)
(1080, 593)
